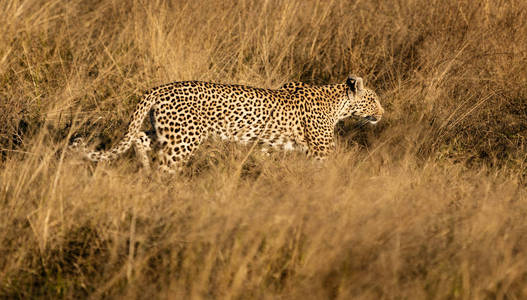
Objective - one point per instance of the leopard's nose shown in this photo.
(381, 111)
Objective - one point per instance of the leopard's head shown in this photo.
(361, 102)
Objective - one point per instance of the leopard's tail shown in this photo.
(141, 110)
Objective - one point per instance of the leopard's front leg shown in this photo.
(321, 143)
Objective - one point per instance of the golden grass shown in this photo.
(430, 203)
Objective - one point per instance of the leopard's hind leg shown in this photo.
(143, 145)
(178, 145)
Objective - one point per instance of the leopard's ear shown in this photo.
(355, 83)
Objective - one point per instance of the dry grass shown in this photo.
(431, 203)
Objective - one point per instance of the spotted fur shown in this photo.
(295, 116)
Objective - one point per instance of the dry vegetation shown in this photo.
(430, 203)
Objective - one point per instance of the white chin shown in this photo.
(373, 122)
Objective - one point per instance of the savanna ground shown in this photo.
(430, 203)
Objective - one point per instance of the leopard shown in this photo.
(183, 114)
